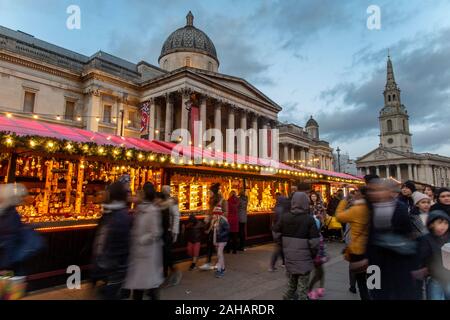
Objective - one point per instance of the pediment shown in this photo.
(382, 154)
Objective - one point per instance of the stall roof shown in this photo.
(332, 173)
(27, 127)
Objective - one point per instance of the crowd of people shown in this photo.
(401, 231)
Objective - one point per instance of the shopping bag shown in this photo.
(12, 287)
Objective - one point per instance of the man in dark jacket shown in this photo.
(300, 238)
(334, 202)
(111, 246)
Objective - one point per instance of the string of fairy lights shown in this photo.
(54, 146)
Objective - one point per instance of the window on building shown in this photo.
(210, 66)
(28, 103)
(188, 61)
(69, 113)
(404, 125)
(165, 64)
(389, 98)
(132, 119)
(107, 112)
(393, 97)
(389, 125)
(390, 141)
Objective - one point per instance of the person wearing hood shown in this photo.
(430, 253)
(111, 244)
(233, 220)
(300, 238)
(407, 190)
(443, 200)
(145, 270)
(17, 242)
(170, 215)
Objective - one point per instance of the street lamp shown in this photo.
(339, 158)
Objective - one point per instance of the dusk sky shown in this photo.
(311, 57)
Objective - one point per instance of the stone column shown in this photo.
(254, 137)
(203, 120)
(120, 108)
(399, 173)
(242, 148)
(292, 153)
(410, 172)
(94, 109)
(416, 173)
(377, 169)
(158, 119)
(168, 126)
(152, 122)
(263, 140)
(230, 147)
(218, 125)
(184, 111)
(285, 152)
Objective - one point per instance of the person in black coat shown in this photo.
(389, 245)
(112, 243)
(12, 255)
(443, 200)
(193, 232)
(407, 190)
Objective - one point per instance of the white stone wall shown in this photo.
(177, 60)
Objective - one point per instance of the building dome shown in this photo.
(312, 123)
(189, 39)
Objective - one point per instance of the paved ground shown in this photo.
(246, 278)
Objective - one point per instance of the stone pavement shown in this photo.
(246, 278)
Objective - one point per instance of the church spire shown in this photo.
(390, 79)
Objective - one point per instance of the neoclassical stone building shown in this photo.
(304, 146)
(104, 93)
(395, 157)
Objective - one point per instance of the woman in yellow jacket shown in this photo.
(357, 216)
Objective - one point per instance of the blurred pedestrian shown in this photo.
(145, 270)
(390, 246)
(357, 217)
(233, 220)
(443, 200)
(111, 244)
(319, 260)
(300, 238)
(221, 231)
(18, 243)
(170, 222)
(193, 231)
(281, 207)
(242, 212)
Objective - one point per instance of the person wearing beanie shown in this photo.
(407, 189)
(419, 215)
(431, 266)
(443, 200)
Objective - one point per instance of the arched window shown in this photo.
(210, 66)
(404, 125)
(393, 97)
(389, 98)
(389, 125)
(188, 61)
